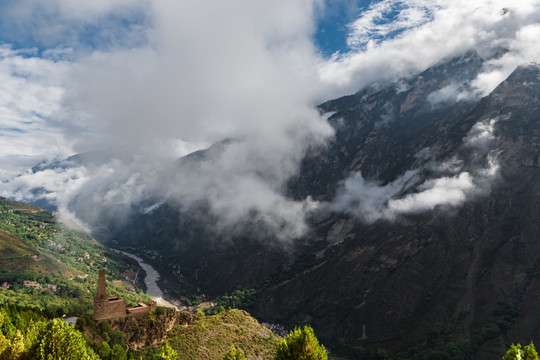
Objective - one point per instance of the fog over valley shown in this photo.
(181, 77)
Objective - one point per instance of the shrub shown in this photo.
(300, 344)
(234, 354)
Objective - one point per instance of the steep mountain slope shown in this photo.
(440, 274)
(380, 131)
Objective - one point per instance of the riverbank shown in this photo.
(152, 276)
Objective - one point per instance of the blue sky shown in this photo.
(332, 27)
(44, 27)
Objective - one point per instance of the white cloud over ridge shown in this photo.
(183, 75)
(442, 29)
(388, 18)
(455, 183)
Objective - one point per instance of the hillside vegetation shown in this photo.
(48, 269)
(211, 337)
(33, 334)
(190, 336)
(46, 264)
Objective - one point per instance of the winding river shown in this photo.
(152, 276)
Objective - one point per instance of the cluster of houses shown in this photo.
(33, 284)
(38, 286)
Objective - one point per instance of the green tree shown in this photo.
(234, 354)
(530, 353)
(300, 344)
(118, 352)
(517, 353)
(104, 350)
(4, 344)
(17, 346)
(166, 353)
(62, 341)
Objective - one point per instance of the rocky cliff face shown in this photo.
(381, 130)
(151, 330)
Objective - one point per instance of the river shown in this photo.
(152, 276)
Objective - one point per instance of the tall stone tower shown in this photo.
(101, 289)
(107, 307)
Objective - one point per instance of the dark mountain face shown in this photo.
(441, 273)
(381, 131)
(441, 244)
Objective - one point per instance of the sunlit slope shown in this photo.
(44, 263)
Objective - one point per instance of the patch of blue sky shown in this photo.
(388, 19)
(45, 32)
(12, 130)
(331, 38)
(333, 25)
(115, 31)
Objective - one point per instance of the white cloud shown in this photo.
(412, 194)
(447, 94)
(445, 191)
(439, 30)
(208, 72)
(368, 199)
(523, 49)
(182, 75)
(481, 135)
(384, 18)
(212, 72)
(72, 23)
(30, 92)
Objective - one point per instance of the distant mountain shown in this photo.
(425, 231)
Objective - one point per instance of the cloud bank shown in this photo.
(156, 80)
(30, 93)
(207, 73)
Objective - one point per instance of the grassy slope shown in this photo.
(210, 337)
(35, 247)
(192, 337)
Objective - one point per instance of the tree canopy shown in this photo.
(166, 353)
(300, 344)
(517, 353)
(234, 354)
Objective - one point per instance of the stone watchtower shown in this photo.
(107, 307)
(110, 307)
(101, 289)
